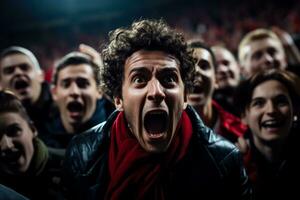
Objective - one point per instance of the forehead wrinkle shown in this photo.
(150, 55)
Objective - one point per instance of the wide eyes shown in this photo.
(259, 54)
(282, 100)
(204, 65)
(24, 67)
(278, 101)
(65, 83)
(166, 79)
(13, 130)
(169, 79)
(80, 82)
(9, 70)
(139, 79)
(259, 102)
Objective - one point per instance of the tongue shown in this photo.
(74, 114)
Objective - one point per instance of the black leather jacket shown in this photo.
(212, 167)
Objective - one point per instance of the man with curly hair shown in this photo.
(154, 146)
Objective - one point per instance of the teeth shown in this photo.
(155, 135)
(271, 123)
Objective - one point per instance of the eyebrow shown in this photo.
(10, 66)
(139, 69)
(3, 130)
(143, 68)
(257, 98)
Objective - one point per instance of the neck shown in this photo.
(207, 113)
(272, 152)
(70, 128)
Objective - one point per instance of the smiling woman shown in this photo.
(24, 158)
(268, 102)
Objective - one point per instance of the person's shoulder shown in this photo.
(224, 154)
(83, 146)
(94, 136)
(220, 147)
(216, 145)
(9, 194)
(88, 137)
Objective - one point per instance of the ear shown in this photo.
(41, 76)
(185, 99)
(99, 93)
(244, 73)
(244, 118)
(33, 129)
(118, 103)
(216, 85)
(214, 81)
(53, 92)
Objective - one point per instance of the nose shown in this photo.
(271, 107)
(6, 143)
(268, 60)
(156, 91)
(222, 68)
(74, 90)
(18, 70)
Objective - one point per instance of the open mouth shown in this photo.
(156, 123)
(75, 108)
(272, 123)
(223, 77)
(21, 84)
(10, 156)
(197, 89)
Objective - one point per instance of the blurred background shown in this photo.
(52, 28)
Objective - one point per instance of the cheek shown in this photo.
(27, 145)
(252, 118)
(5, 80)
(287, 111)
(61, 103)
(175, 102)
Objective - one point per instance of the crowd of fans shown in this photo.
(217, 23)
(210, 107)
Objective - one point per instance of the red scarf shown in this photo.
(136, 173)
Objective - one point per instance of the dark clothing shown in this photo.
(277, 180)
(9, 194)
(41, 112)
(212, 166)
(294, 68)
(43, 178)
(57, 134)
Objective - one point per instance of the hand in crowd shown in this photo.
(96, 57)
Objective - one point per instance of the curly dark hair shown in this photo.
(146, 35)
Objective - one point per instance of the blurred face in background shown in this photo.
(16, 143)
(270, 112)
(227, 71)
(204, 79)
(265, 53)
(18, 74)
(76, 94)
